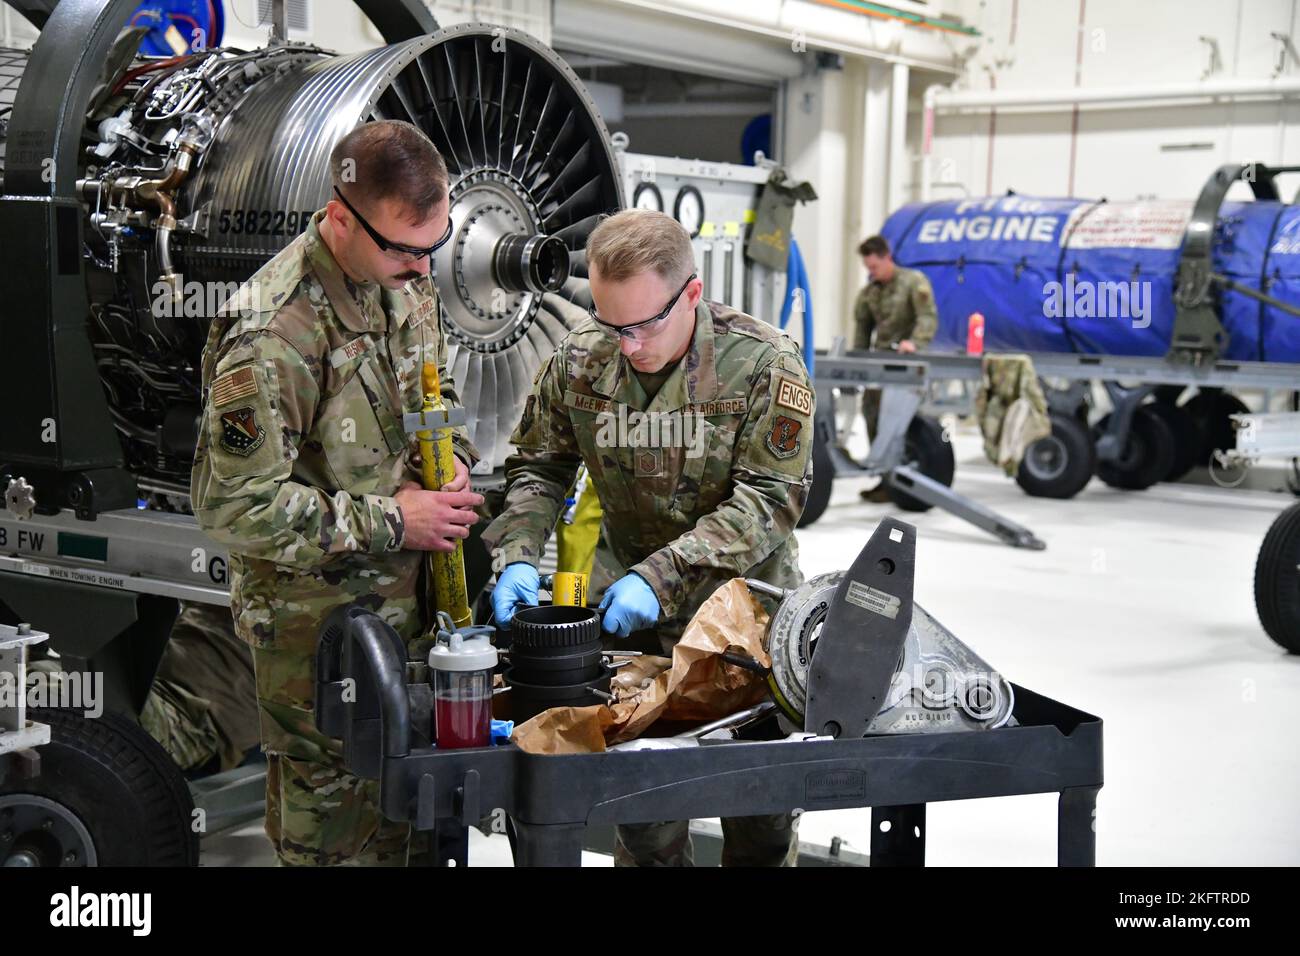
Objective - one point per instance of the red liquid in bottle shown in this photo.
(463, 723)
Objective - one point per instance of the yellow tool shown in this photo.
(438, 467)
(569, 588)
(578, 530)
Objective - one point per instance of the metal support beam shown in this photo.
(1110, 446)
(909, 480)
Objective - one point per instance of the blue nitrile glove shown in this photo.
(630, 605)
(517, 585)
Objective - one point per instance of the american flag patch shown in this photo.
(233, 386)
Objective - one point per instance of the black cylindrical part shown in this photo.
(529, 700)
(555, 659)
(530, 263)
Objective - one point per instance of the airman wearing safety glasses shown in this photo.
(304, 472)
(708, 484)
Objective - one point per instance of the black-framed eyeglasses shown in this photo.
(397, 250)
(640, 331)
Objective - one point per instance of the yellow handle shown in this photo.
(438, 468)
(569, 588)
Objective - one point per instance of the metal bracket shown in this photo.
(1216, 59)
(1111, 444)
(423, 421)
(1198, 335)
(1274, 435)
(1285, 48)
(16, 731)
(862, 637)
(898, 406)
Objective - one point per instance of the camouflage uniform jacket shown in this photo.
(689, 515)
(305, 381)
(1011, 409)
(902, 308)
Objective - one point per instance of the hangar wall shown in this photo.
(1169, 146)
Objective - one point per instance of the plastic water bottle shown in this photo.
(462, 690)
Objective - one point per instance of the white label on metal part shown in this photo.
(98, 578)
(873, 600)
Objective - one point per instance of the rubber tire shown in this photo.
(1148, 455)
(1080, 461)
(1210, 410)
(1168, 394)
(1187, 439)
(120, 783)
(823, 480)
(1277, 585)
(926, 446)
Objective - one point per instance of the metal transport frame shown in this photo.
(906, 379)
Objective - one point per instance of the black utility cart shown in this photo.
(552, 799)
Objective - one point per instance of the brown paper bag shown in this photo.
(698, 686)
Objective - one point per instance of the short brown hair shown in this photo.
(638, 240)
(874, 246)
(390, 159)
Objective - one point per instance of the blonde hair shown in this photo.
(639, 240)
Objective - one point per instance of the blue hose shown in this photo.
(797, 284)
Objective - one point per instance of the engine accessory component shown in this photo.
(938, 683)
(555, 660)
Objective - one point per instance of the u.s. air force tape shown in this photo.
(717, 406)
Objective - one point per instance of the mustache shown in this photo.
(408, 276)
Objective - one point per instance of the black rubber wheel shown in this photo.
(1209, 410)
(1061, 465)
(926, 448)
(107, 795)
(1187, 439)
(1168, 394)
(1148, 454)
(1277, 583)
(823, 480)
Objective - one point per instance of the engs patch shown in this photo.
(796, 397)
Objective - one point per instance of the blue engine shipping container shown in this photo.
(1074, 275)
